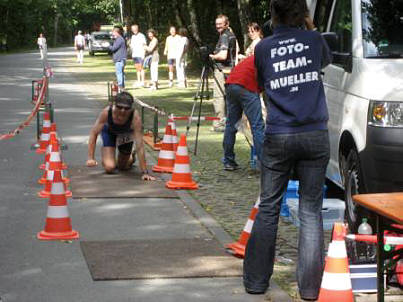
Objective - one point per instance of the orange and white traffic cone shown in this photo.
(171, 121)
(53, 135)
(166, 156)
(55, 161)
(182, 176)
(58, 223)
(45, 135)
(45, 193)
(238, 248)
(336, 282)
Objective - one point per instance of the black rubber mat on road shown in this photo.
(149, 259)
(95, 183)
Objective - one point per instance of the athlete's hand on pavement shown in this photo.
(91, 163)
(147, 177)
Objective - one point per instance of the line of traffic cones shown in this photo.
(237, 248)
(336, 283)
(174, 158)
(58, 223)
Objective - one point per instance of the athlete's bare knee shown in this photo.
(109, 168)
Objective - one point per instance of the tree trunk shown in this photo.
(194, 28)
(244, 18)
(180, 20)
(56, 26)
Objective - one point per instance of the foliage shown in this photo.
(23, 20)
(59, 20)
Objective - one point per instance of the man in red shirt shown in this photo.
(242, 94)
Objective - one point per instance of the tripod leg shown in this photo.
(205, 81)
(198, 95)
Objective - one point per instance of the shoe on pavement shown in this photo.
(254, 292)
(231, 167)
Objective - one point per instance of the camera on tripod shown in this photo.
(205, 52)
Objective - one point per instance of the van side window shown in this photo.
(342, 25)
(322, 13)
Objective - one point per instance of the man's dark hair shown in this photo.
(119, 28)
(267, 29)
(288, 12)
(124, 98)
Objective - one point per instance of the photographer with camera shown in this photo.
(224, 55)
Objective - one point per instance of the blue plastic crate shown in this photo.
(292, 193)
(332, 211)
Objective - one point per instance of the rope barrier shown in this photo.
(196, 118)
(28, 120)
(160, 112)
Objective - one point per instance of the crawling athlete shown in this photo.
(120, 127)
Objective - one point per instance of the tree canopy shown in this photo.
(59, 20)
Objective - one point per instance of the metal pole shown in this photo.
(155, 130)
(121, 11)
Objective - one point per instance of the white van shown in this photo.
(364, 90)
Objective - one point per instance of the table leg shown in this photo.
(380, 258)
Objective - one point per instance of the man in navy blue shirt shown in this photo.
(119, 55)
(288, 65)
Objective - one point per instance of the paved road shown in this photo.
(31, 270)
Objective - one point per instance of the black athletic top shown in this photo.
(119, 129)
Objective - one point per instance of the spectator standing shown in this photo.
(288, 64)
(181, 59)
(255, 34)
(43, 48)
(242, 93)
(225, 56)
(119, 55)
(152, 49)
(79, 45)
(137, 44)
(172, 48)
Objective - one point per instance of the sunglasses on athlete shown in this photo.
(123, 108)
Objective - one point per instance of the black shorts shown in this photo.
(109, 140)
(80, 47)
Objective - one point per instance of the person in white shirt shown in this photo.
(79, 45)
(171, 51)
(137, 43)
(42, 46)
(181, 58)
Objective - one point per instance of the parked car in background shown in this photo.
(364, 94)
(99, 42)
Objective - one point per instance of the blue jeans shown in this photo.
(308, 154)
(120, 73)
(238, 100)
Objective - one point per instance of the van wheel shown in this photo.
(352, 182)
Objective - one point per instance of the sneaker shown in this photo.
(219, 129)
(171, 83)
(231, 167)
(254, 292)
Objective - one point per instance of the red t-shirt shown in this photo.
(244, 74)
